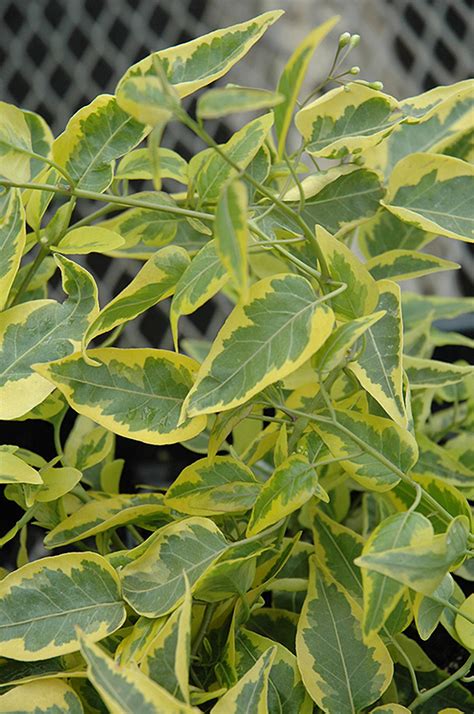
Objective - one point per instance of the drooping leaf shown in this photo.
(24, 139)
(209, 171)
(125, 689)
(464, 627)
(428, 373)
(341, 672)
(137, 165)
(211, 486)
(381, 593)
(347, 120)
(136, 393)
(286, 692)
(15, 470)
(421, 566)
(156, 281)
(167, 658)
(292, 484)
(94, 137)
(88, 239)
(40, 331)
(379, 367)
(101, 515)
(406, 264)
(231, 234)
(434, 192)
(427, 611)
(342, 339)
(45, 601)
(361, 295)
(41, 698)
(154, 583)
(362, 439)
(251, 691)
(270, 336)
(201, 280)
(12, 240)
(292, 77)
(194, 64)
(222, 101)
(56, 483)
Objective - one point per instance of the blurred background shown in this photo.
(57, 55)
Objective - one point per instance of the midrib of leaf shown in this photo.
(63, 613)
(96, 155)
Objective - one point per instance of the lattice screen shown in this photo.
(56, 55)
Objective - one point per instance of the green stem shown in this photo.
(429, 693)
(206, 619)
(26, 518)
(287, 210)
(93, 216)
(409, 666)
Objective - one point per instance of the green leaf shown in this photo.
(231, 234)
(381, 593)
(87, 444)
(56, 483)
(386, 232)
(40, 331)
(167, 659)
(154, 583)
(94, 137)
(102, 515)
(291, 485)
(427, 611)
(194, 64)
(251, 691)
(417, 307)
(147, 99)
(424, 565)
(341, 672)
(126, 689)
(201, 280)
(464, 628)
(435, 460)
(361, 295)
(339, 343)
(12, 240)
(233, 99)
(15, 470)
(292, 77)
(88, 239)
(431, 373)
(154, 282)
(45, 601)
(434, 192)
(406, 264)
(342, 198)
(286, 692)
(24, 139)
(213, 486)
(136, 393)
(209, 171)
(41, 698)
(445, 114)
(390, 709)
(379, 367)
(233, 574)
(386, 449)
(346, 120)
(135, 644)
(136, 165)
(282, 324)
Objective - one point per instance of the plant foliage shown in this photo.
(322, 530)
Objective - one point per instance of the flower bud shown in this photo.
(376, 85)
(355, 39)
(354, 70)
(344, 39)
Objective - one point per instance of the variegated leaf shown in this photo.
(45, 601)
(41, 698)
(406, 264)
(251, 691)
(136, 393)
(281, 325)
(231, 234)
(12, 240)
(136, 165)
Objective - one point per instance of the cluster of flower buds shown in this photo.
(347, 39)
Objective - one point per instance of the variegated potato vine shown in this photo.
(318, 542)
